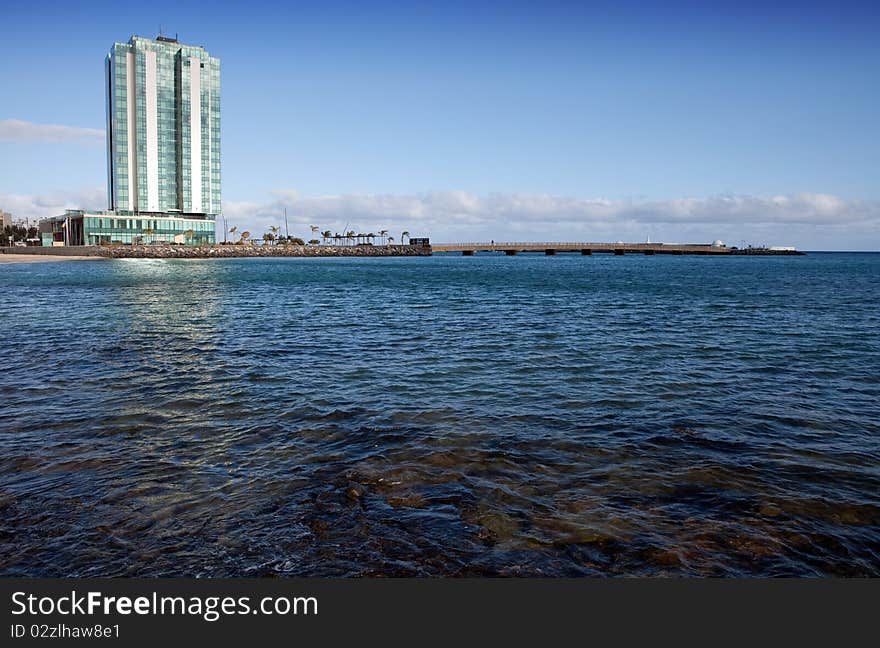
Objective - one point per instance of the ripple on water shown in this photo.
(443, 416)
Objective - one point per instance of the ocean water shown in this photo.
(524, 416)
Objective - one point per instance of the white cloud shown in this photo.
(32, 208)
(802, 219)
(17, 130)
(810, 221)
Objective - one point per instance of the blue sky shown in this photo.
(597, 121)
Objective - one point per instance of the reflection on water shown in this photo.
(445, 415)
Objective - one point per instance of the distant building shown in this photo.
(5, 219)
(163, 149)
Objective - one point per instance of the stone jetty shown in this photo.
(223, 251)
(217, 251)
(236, 251)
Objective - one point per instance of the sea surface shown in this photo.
(460, 416)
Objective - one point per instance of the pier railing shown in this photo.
(538, 246)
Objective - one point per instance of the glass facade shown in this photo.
(163, 133)
(144, 230)
(79, 227)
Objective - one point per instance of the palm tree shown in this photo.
(314, 228)
(325, 235)
(350, 235)
(268, 237)
(390, 240)
(233, 230)
(274, 229)
(383, 234)
(244, 237)
(402, 234)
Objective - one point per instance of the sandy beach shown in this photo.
(34, 258)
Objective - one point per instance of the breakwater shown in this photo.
(242, 251)
(222, 251)
(467, 249)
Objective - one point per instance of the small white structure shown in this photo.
(717, 243)
(782, 248)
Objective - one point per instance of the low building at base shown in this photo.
(80, 227)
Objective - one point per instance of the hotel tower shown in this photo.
(163, 149)
(163, 127)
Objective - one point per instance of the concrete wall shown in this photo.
(85, 250)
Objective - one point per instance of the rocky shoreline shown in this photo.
(240, 251)
(227, 251)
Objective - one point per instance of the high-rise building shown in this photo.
(5, 219)
(163, 149)
(163, 127)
